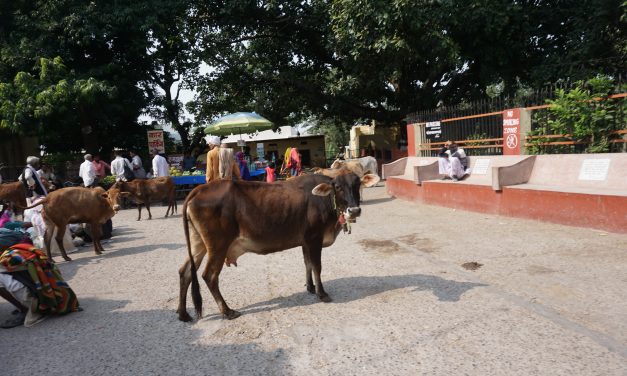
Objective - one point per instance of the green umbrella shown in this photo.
(239, 122)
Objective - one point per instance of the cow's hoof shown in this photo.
(232, 314)
(185, 317)
(325, 298)
(311, 289)
(66, 258)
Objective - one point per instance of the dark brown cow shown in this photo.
(226, 219)
(15, 193)
(76, 205)
(145, 191)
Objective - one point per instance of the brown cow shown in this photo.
(76, 205)
(226, 219)
(15, 193)
(145, 191)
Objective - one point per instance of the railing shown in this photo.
(486, 146)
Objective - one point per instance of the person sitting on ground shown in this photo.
(453, 162)
(34, 285)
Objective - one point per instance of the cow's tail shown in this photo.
(32, 206)
(196, 297)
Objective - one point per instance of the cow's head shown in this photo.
(345, 191)
(113, 195)
(338, 163)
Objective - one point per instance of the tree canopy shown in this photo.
(69, 66)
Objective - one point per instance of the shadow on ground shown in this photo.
(135, 342)
(344, 290)
(68, 269)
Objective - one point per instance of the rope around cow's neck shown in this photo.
(346, 227)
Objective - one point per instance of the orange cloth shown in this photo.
(213, 166)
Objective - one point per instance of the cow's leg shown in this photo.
(185, 272)
(59, 239)
(316, 255)
(96, 233)
(210, 275)
(139, 209)
(308, 279)
(148, 209)
(48, 239)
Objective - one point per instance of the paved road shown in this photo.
(548, 300)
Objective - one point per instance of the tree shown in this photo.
(100, 48)
(174, 63)
(353, 59)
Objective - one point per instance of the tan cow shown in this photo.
(145, 191)
(76, 205)
(15, 193)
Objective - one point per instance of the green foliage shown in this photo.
(336, 134)
(52, 101)
(585, 115)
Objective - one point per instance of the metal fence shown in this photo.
(478, 125)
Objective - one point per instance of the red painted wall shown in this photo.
(411, 140)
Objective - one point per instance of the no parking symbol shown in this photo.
(511, 132)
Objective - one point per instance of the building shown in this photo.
(266, 143)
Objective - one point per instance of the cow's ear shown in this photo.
(322, 189)
(370, 180)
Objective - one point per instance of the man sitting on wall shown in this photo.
(453, 162)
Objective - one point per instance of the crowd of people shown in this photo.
(93, 169)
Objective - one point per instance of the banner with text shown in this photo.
(155, 141)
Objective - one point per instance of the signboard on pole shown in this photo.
(511, 132)
(155, 141)
(260, 150)
(433, 130)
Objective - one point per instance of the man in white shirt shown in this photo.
(87, 172)
(138, 168)
(160, 166)
(30, 178)
(453, 162)
(117, 166)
